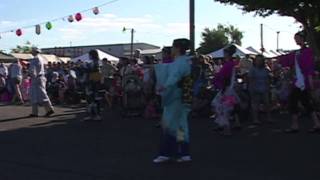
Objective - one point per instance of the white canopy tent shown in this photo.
(265, 54)
(49, 58)
(240, 51)
(102, 55)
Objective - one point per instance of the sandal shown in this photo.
(257, 123)
(218, 129)
(226, 134)
(291, 131)
(237, 128)
(314, 130)
(32, 115)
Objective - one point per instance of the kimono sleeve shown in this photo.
(287, 60)
(307, 64)
(176, 72)
(32, 68)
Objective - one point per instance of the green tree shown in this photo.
(214, 39)
(25, 48)
(307, 12)
(235, 35)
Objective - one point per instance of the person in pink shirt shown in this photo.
(25, 87)
(225, 101)
(225, 72)
(167, 55)
(302, 86)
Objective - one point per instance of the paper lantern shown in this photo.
(70, 19)
(49, 25)
(38, 29)
(78, 17)
(96, 10)
(18, 32)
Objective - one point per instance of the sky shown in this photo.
(155, 21)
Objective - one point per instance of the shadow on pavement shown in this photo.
(66, 148)
(15, 119)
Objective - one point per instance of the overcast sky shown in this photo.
(157, 22)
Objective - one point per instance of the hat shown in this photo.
(35, 50)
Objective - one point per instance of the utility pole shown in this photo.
(132, 39)
(261, 38)
(278, 33)
(192, 25)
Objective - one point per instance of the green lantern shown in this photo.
(49, 25)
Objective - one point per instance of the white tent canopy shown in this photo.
(240, 51)
(267, 54)
(102, 55)
(49, 58)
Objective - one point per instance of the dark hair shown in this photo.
(302, 34)
(167, 50)
(93, 54)
(230, 50)
(183, 44)
(259, 56)
(135, 61)
(148, 60)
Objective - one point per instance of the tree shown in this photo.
(307, 12)
(25, 48)
(214, 39)
(235, 35)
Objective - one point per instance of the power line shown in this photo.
(272, 29)
(60, 18)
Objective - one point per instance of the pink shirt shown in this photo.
(224, 74)
(305, 62)
(167, 61)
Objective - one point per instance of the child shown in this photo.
(115, 91)
(26, 84)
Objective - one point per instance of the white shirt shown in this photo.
(3, 70)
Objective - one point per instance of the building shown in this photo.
(6, 58)
(118, 50)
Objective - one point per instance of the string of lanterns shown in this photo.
(49, 24)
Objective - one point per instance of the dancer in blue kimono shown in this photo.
(175, 139)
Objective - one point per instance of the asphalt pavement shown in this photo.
(64, 147)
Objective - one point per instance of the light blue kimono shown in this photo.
(175, 114)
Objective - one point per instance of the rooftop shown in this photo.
(103, 45)
(4, 56)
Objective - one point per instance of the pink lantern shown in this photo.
(96, 10)
(18, 32)
(70, 19)
(78, 17)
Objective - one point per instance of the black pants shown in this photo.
(296, 96)
(170, 147)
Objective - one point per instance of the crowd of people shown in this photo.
(230, 90)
